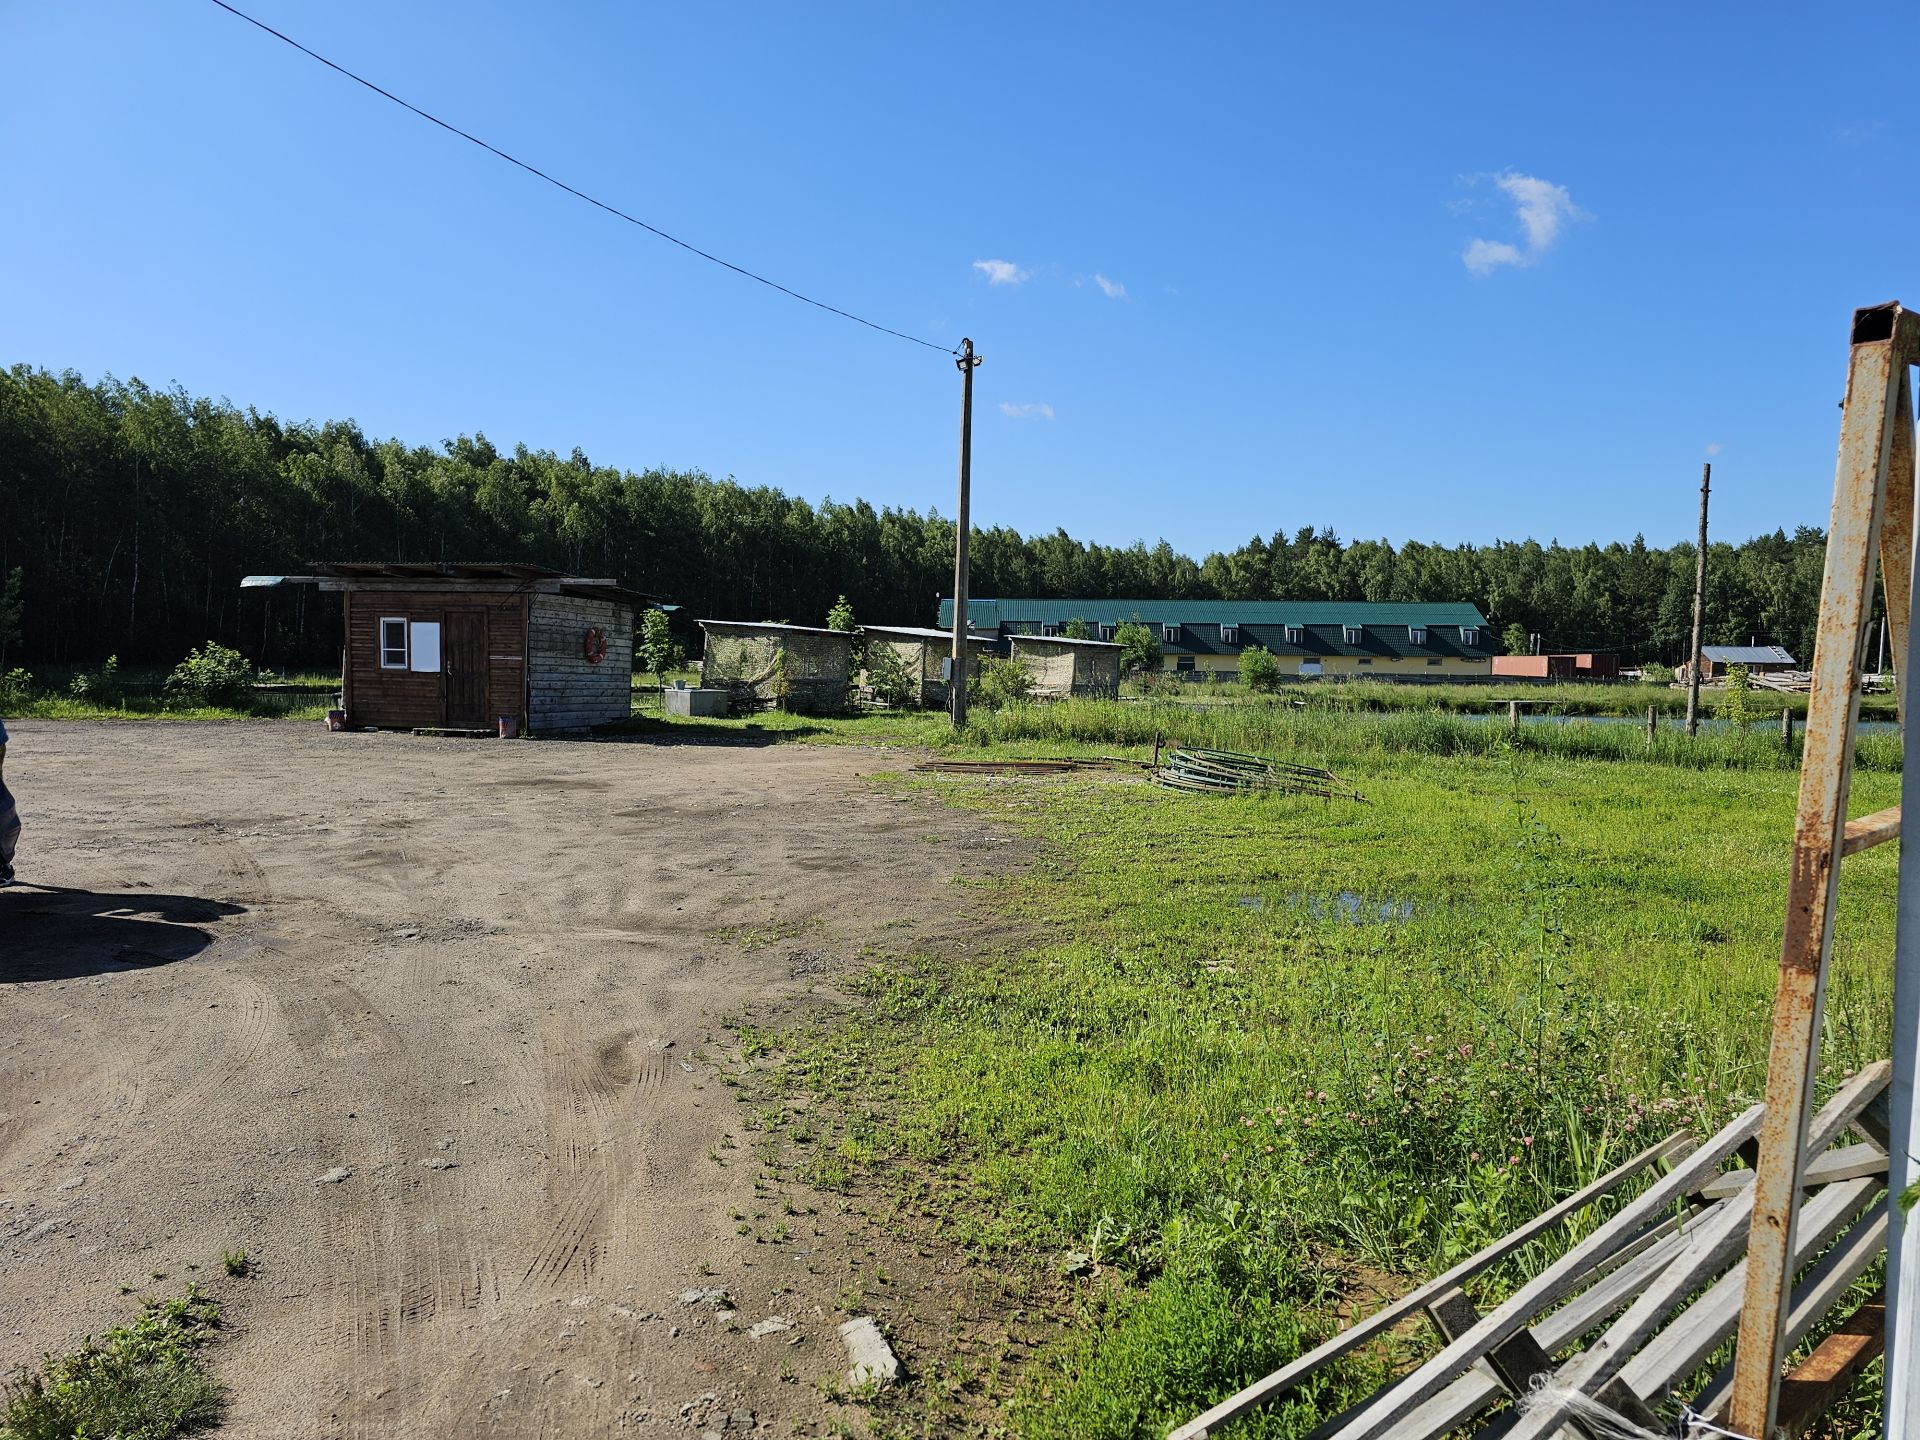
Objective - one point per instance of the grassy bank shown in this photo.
(1260, 1048)
(1625, 699)
(1326, 736)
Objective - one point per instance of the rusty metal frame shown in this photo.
(1873, 505)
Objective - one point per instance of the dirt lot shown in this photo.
(480, 978)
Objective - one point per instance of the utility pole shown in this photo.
(957, 685)
(1699, 608)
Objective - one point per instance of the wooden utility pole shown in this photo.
(1699, 608)
(957, 685)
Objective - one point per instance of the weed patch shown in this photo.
(140, 1381)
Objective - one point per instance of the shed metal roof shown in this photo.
(921, 632)
(1064, 640)
(776, 625)
(359, 574)
(1747, 654)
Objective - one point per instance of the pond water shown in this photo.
(1349, 905)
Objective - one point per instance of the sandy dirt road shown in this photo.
(477, 976)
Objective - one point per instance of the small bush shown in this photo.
(99, 687)
(142, 1381)
(212, 676)
(16, 688)
(1654, 673)
(235, 1262)
(887, 676)
(1259, 671)
(1002, 683)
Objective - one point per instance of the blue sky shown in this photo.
(1415, 272)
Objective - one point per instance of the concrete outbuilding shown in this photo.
(1061, 668)
(478, 647)
(768, 666)
(927, 656)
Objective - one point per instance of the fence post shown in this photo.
(1652, 721)
(1786, 729)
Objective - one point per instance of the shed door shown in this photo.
(466, 668)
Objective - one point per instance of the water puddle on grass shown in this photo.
(1348, 905)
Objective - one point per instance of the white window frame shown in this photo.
(404, 650)
(1469, 634)
(1417, 634)
(1296, 634)
(1354, 634)
(1170, 632)
(1229, 634)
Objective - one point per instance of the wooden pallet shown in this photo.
(1638, 1305)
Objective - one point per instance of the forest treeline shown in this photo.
(132, 513)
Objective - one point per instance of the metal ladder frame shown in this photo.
(1872, 523)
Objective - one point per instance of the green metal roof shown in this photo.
(985, 612)
(1386, 628)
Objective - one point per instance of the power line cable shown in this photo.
(613, 210)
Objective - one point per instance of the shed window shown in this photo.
(1417, 634)
(1353, 634)
(1229, 634)
(393, 643)
(423, 643)
(1365, 660)
(1433, 660)
(1296, 634)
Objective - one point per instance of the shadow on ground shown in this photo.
(49, 933)
(646, 730)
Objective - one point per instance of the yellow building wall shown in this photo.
(1348, 666)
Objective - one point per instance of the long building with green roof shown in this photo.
(1401, 640)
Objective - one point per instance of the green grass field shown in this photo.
(1258, 1047)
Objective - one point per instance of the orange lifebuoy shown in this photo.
(596, 645)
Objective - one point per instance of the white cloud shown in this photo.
(1001, 272)
(1112, 289)
(1541, 207)
(1714, 449)
(1485, 256)
(1033, 409)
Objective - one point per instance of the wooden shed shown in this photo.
(792, 667)
(1061, 667)
(927, 656)
(463, 647)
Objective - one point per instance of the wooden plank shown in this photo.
(1478, 1388)
(1556, 1283)
(1814, 1297)
(1673, 1149)
(1870, 830)
(1827, 1374)
(1522, 1359)
(1686, 1344)
(1710, 1247)
(1849, 1164)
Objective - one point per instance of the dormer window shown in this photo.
(1354, 633)
(1173, 632)
(1469, 634)
(1106, 632)
(1417, 634)
(1229, 634)
(1296, 634)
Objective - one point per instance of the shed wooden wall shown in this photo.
(566, 691)
(404, 699)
